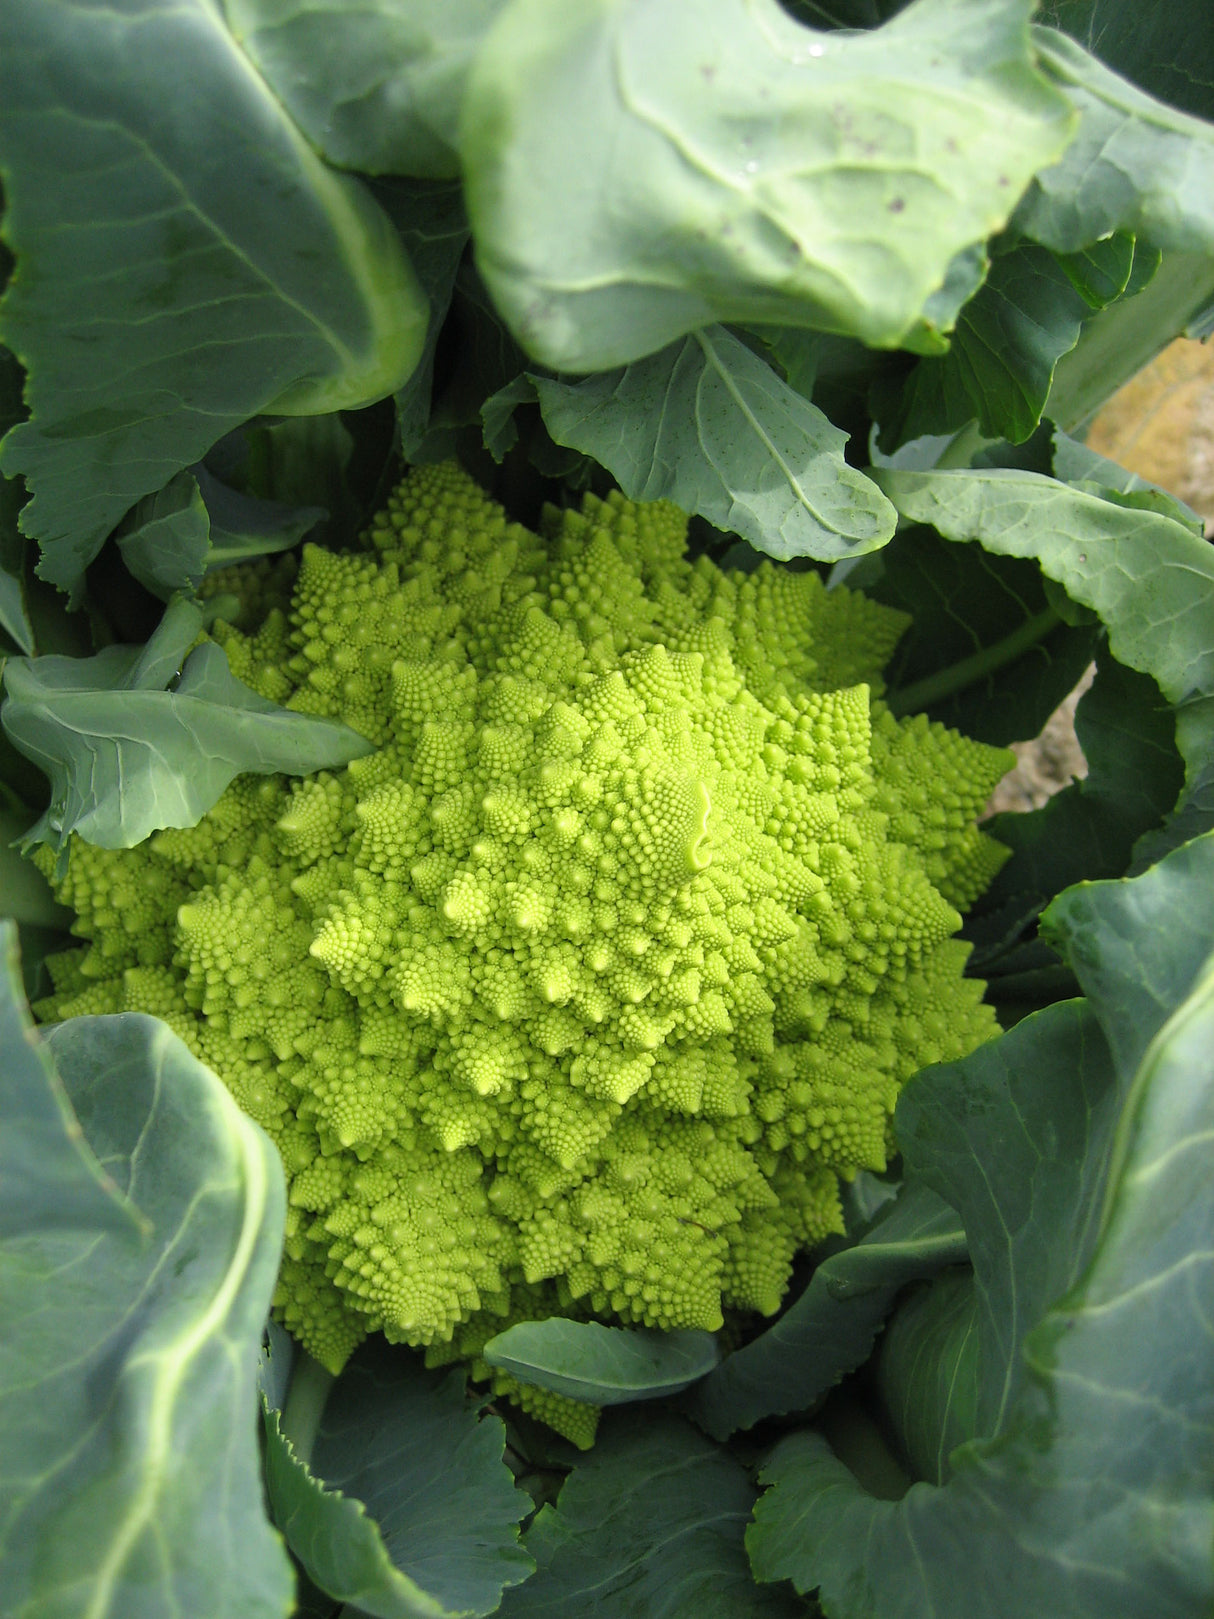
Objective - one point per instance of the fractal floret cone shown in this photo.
(580, 993)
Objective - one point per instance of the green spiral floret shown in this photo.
(582, 992)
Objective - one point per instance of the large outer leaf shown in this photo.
(1168, 50)
(1093, 1248)
(649, 1524)
(1017, 1138)
(48, 1177)
(723, 163)
(706, 424)
(126, 757)
(602, 1365)
(185, 260)
(1135, 164)
(376, 87)
(830, 1329)
(129, 1472)
(1139, 947)
(406, 1508)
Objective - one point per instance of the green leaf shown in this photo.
(927, 1373)
(985, 652)
(166, 537)
(650, 1522)
(434, 229)
(406, 1509)
(376, 87)
(1166, 50)
(1116, 343)
(278, 1355)
(1086, 1486)
(1135, 163)
(744, 168)
(831, 1328)
(245, 526)
(14, 620)
(1041, 1103)
(708, 425)
(1148, 577)
(14, 616)
(1103, 271)
(602, 1365)
(135, 1275)
(125, 756)
(1075, 463)
(25, 894)
(1001, 359)
(296, 461)
(49, 1180)
(133, 374)
(1138, 947)
(498, 426)
(173, 538)
(1089, 830)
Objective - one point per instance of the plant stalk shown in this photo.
(304, 1405)
(934, 688)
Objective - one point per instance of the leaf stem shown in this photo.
(934, 688)
(966, 444)
(304, 1405)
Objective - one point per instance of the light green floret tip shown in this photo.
(583, 991)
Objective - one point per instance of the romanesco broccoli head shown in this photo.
(581, 993)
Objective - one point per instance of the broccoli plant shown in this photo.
(526, 530)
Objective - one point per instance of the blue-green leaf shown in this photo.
(830, 1329)
(136, 1269)
(376, 87)
(649, 1523)
(725, 163)
(195, 524)
(125, 756)
(1135, 163)
(602, 1365)
(405, 1508)
(1082, 1482)
(177, 275)
(1008, 339)
(708, 425)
